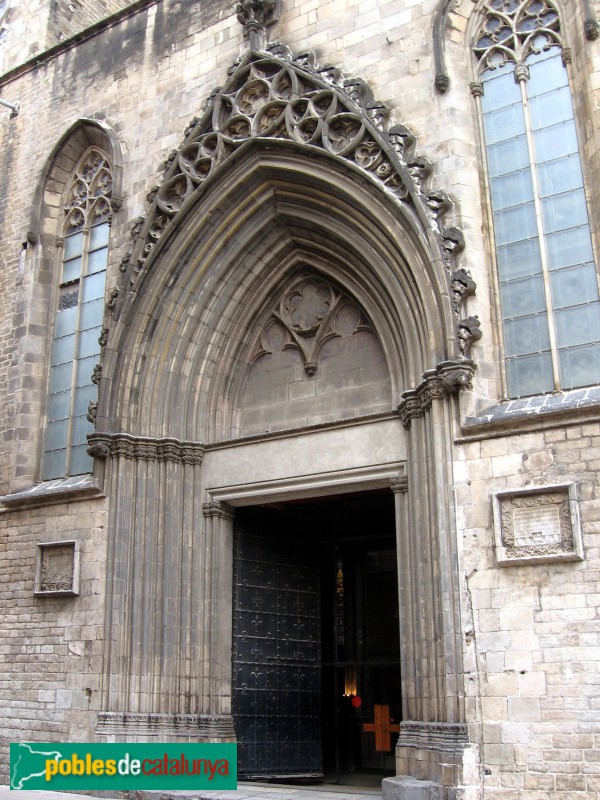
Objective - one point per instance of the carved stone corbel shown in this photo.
(447, 378)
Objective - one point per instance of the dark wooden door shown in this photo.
(276, 648)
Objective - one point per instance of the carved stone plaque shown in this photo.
(57, 569)
(540, 524)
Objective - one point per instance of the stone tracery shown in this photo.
(511, 30)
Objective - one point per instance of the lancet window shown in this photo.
(547, 278)
(78, 316)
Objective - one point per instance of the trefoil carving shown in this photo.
(309, 313)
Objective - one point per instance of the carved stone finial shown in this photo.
(112, 299)
(92, 412)
(469, 332)
(256, 16)
(97, 374)
(462, 286)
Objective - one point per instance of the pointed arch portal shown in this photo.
(289, 327)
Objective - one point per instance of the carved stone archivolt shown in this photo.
(141, 448)
(272, 95)
(309, 313)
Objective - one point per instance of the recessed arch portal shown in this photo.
(275, 207)
(278, 188)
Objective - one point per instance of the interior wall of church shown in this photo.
(530, 631)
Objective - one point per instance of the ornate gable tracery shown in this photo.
(270, 94)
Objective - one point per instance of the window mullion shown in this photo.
(542, 241)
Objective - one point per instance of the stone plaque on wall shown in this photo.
(57, 569)
(538, 524)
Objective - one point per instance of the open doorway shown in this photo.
(316, 673)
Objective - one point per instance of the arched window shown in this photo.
(78, 316)
(546, 273)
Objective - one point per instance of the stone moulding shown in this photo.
(185, 726)
(144, 448)
(272, 95)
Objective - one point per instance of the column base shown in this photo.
(404, 788)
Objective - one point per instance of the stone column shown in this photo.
(160, 609)
(219, 603)
(433, 733)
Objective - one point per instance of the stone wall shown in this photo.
(51, 646)
(534, 642)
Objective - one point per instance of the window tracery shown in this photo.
(511, 30)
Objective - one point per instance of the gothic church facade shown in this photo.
(300, 386)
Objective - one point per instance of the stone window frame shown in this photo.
(42, 262)
(515, 45)
(43, 547)
(85, 209)
(568, 549)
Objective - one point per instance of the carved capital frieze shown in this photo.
(446, 379)
(194, 727)
(217, 509)
(140, 448)
(448, 737)
(399, 484)
(476, 88)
